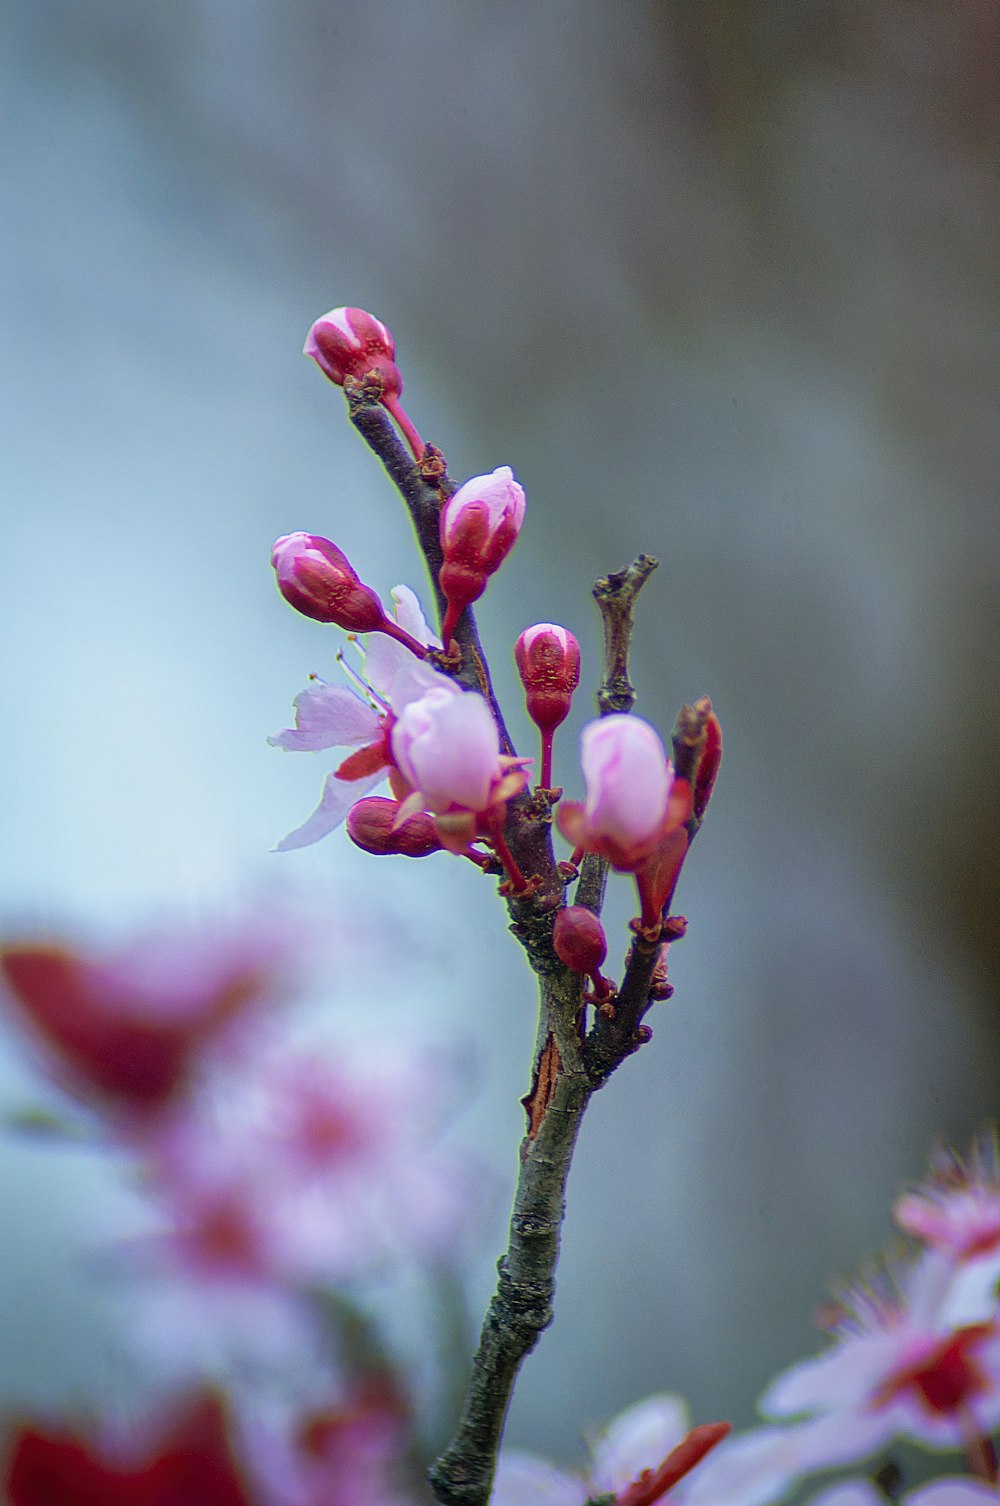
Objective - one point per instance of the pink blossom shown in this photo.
(905, 1363)
(957, 1210)
(630, 1454)
(358, 717)
(345, 1454)
(628, 782)
(310, 1166)
(479, 525)
(447, 747)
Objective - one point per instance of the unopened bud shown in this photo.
(708, 766)
(478, 527)
(348, 342)
(318, 580)
(371, 826)
(579, 940)
(548, 661)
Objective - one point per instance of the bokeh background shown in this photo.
(718, 278)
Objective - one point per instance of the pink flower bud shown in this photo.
(446, 745)
(628, 779)
(478, 527)
(319, 581)
(708, 766)
(548, 661)
(579, 940)
(371, 826)
(348, 342)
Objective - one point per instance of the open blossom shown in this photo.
(308, 1166)
(479, 525)
(957, 1210)
(904, 1364)
(341, 716)
(123, 1031)
(648, 1455)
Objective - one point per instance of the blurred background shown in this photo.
(718, 280)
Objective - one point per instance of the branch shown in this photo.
(521, 1307)
(615, 596)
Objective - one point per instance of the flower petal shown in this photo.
(747, 1469)
(328, 716)
(638, 1438)
(523, 1480)
(337, 798)
(954, 1491)
(850, 1493)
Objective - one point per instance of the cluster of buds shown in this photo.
(408, 719)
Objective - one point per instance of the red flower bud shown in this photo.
(318, 580)
(579, 940)
(548, 661)
(478, 527)
(348, 342)
(371, 826)
(708, 766)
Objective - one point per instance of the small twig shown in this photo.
(615, 596)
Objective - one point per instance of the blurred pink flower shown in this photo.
(124, 1031)
(312, 1166)
(957, 1210)
(347, 1454)
(904, 1365)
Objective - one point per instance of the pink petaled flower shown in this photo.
(124, 1031)
(447, 747)
(343, 1455)
(360, 717)
(906, 1363)
(957, 1211)
(312, 1166)
(479, 525)
(635, 809)
(646, 1456)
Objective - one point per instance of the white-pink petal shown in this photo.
(337, 798)
(447, 746)
(524, 1480)
(639, 1438)
(843, 1377)
(628, 778)
(746, 1469)
(850, 1493)
(954, 1491)
(328, 716)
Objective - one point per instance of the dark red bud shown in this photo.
(318, 580)
(579, 939)
(548, 661)
(708, 766)
(370, 826)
